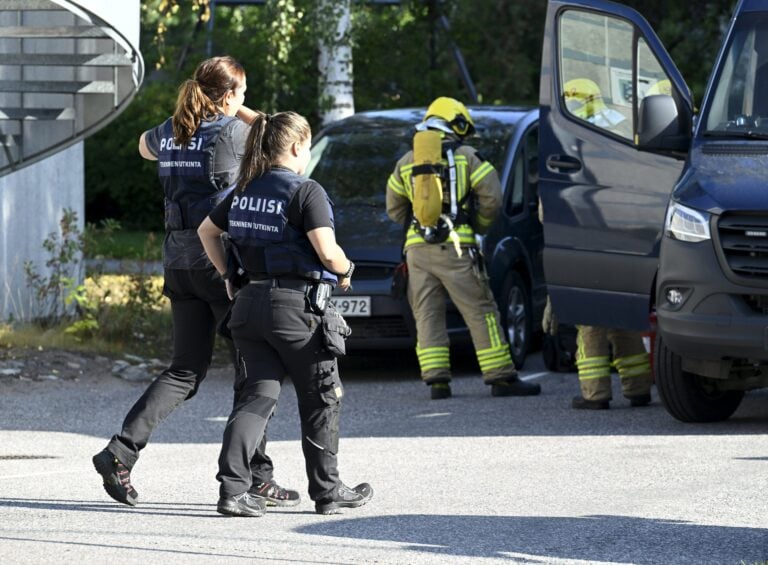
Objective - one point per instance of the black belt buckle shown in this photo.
(319, 296)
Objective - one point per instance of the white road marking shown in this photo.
(433, 415)
(217, 419)
(533, 376)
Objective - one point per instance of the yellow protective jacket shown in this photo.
(472, 173)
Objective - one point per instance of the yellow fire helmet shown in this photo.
(583, 98)
(662, 86)
(448, 115)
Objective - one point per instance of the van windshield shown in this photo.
(739, 104)
(354, 166)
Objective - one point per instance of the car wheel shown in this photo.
(687, 396)
(516, 317)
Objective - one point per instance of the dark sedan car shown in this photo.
(353, 158)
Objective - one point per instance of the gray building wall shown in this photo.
(32, 201)
(33, 198)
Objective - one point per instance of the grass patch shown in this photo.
(107, 313)
(115, 314)
(111, 242)
(30, 336)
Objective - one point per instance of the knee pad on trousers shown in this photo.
(259, 398)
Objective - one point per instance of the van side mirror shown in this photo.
(661, 127)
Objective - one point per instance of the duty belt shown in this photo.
(293, 284)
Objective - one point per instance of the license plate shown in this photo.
(352, 306)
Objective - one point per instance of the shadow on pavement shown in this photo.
(146, 508)
(616, 539)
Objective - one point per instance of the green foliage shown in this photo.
(401, 57)
(105, 242)
(119, 183)
(691, 32)
(64, 251)
(127, 309)
(87, 308)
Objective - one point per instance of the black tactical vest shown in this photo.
(266, 242)
(187, 176)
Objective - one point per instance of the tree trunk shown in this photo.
(336, 98)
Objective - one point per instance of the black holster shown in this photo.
(319, 295)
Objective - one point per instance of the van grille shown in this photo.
(744, 241)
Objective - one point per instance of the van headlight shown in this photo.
(687, 224)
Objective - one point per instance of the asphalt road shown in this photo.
(472, 479)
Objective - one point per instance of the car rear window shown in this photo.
(355, 165)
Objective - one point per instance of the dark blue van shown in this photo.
(646, 211)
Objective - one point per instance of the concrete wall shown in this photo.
(123, 15)
(31, 204)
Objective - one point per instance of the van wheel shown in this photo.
(687, 396)
(516, 318)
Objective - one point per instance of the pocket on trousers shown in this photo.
(240, 312)
(291, 321)
(335, 332)
(329, 383)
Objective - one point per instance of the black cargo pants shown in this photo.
(198, 303)
(277, 335)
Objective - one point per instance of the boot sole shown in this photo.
(283, 503)
(235, 511)
(115, 491)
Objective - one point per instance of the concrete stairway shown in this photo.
(66, 70)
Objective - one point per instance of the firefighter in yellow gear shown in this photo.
(593, 361)
(444, 261)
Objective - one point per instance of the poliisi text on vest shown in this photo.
(266, 205)
(167, 144)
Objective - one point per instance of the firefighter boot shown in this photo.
(513, 386)
(439, 391)
(581, 403)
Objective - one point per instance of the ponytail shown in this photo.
(200, 97)
(192, 106)
(269, 138)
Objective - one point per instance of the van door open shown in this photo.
(604, 192)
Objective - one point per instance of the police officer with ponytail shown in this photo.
(281, 225)
(198, 152)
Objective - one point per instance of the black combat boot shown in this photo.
(244, 504)
(275, 495)
(116, 476)
(345, 497)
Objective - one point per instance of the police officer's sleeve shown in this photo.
(310, 207)
(220, 214)
(398, 201)
(228, 152)
(486, 188)
(152, 140)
